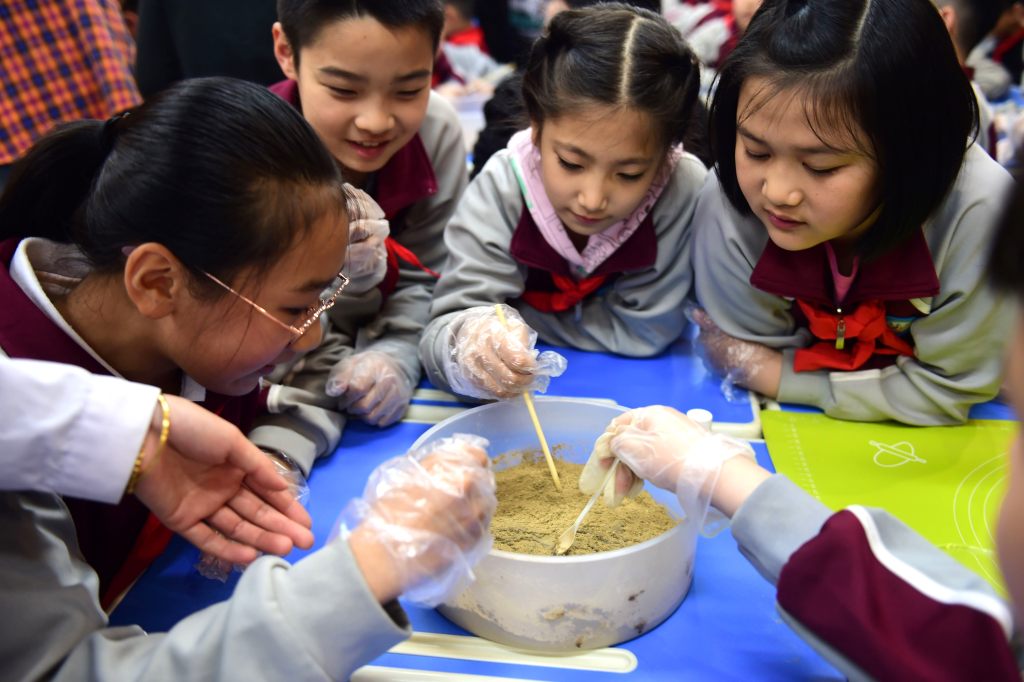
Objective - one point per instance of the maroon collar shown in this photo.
(902, 273)
(26, 331)
(529, 248)
(407, 178)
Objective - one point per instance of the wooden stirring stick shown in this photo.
(528, 399)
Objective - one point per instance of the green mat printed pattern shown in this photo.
(946, 482)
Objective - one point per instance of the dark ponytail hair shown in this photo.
(220, 171)
(617, 55)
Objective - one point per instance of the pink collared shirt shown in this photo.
(526, 163)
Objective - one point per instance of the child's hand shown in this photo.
(492, 358)
(423, 519)
(751, 365)
(367, 259)
(371, 385)
(675, 453)
(625, 484)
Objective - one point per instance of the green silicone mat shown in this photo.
(946, 482)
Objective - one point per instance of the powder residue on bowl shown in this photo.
(532, 513)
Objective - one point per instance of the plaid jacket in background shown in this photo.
(60, 60)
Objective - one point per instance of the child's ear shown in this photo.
(535, 130)
(154, 280)
(283, 52)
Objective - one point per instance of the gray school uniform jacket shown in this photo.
(638, 314)
(873, 597)
(418, 190)
(314, 620)
(958, 334)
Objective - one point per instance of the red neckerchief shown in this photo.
(570, 292)
(472, 35)
(864, 330)
(118, 541)
(905, 272)
(550, 286)
(397, 252)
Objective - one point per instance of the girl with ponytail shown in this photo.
(582, 223)
(193, 244)
(183, 245)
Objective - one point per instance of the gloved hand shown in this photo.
(367, 260)
(625, 483)
(667, 448)
(371, 385)
(425, 515)
(491, 359)
(744, 363)
(215, 568)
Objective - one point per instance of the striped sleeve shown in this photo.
(881, 602)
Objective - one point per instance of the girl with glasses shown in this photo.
(188, 245)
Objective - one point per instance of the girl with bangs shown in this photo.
(839, 247)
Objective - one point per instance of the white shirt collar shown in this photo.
(62, 266)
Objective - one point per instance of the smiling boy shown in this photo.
(360, 72)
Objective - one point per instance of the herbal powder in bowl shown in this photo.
(582, 600)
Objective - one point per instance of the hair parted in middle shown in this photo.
(616, 55)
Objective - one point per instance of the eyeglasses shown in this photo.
(308, 318)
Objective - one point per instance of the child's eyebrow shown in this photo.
(639, 160)
(342, 73)
(820, 149)
(315, 285)
(413, 76)
(336, 72)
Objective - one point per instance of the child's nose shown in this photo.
(375, 119)
(779, 188)
(592, 197)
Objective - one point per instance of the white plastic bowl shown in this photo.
(552, 603)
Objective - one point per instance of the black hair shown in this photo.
(223, 173)
(302, 20)
(884, 67)
(617, 55)
(1006, 260)
(652, 5)
(975, 19)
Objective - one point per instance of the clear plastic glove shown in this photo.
(491, 359)
(625, 484)
(426, 516)
(215, 568)
(367, 260)
(747, 364)
(371, 385)
(667, 448)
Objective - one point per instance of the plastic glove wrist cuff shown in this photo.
(281, 457)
